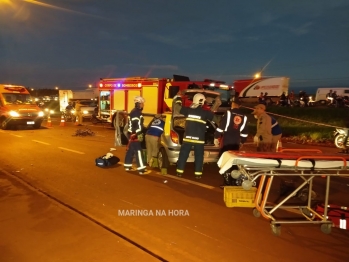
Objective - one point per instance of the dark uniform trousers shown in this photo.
(184, 154)
(134, 147)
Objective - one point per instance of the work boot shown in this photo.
(142, 172)
(179, 174)
(198, 177)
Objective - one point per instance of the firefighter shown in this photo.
(135, 134)
(194, 136)
(231, 134)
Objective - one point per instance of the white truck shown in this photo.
(321, 93)
(66, 96)
(88, 98)
(249, 89)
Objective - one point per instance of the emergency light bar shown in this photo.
(121, 85)
(14, 88)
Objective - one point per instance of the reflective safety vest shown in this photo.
(135, 121)
(233, 127)
(275, 127)
(156, 128)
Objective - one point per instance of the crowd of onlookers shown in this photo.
(303, 99)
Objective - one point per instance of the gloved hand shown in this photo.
(216, 142)
(140, 137)
(255, 139)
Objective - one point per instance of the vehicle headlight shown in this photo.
(41, 114)
(85, 112)
(13, 113)
(52, 112)
(73, 111)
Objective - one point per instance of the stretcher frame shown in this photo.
(307, 174)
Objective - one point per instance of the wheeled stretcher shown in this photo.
(253, 166)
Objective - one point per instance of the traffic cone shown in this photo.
(49, 123)
(62, 121)
(279, 146)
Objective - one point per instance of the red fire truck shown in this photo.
(118, 93)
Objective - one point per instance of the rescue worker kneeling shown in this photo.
(194, 136)
(135, 128)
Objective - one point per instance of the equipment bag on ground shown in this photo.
(102, 161)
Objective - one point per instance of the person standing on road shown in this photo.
(276, 132)
(135, 133)
(231, 134)
(152, 138)
(194, 136)
(232, 131)
(78, 112)
(263, 137)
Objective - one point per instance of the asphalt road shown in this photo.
(169, 218)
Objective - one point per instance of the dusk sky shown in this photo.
(73, 43)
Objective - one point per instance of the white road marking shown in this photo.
(16, 135)
(37, 141)
(74, 151)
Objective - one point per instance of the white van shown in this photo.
(321, 93)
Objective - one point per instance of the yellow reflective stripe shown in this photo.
(198, 173)
(135, 118)
(196, 120)
(193, 141)
(179, 171)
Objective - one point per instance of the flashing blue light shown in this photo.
(119, 85)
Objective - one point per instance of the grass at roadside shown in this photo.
(310, 123)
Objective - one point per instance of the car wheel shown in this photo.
(4, 124)
(162, 159)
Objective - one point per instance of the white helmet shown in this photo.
(139, 99)
(199, 99)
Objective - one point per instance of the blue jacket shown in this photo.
(275, 127)
(156, 128)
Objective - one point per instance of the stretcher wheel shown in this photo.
(247, 185)
(276, 229)
(306, 212)
(256, 213)
(235, 174)
(326, 228)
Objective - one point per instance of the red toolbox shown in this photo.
(339, 215)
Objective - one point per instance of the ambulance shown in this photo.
(18, 108)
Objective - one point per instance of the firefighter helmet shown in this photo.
(199, 99)
(139, 99)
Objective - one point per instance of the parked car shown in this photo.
(88, 108)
